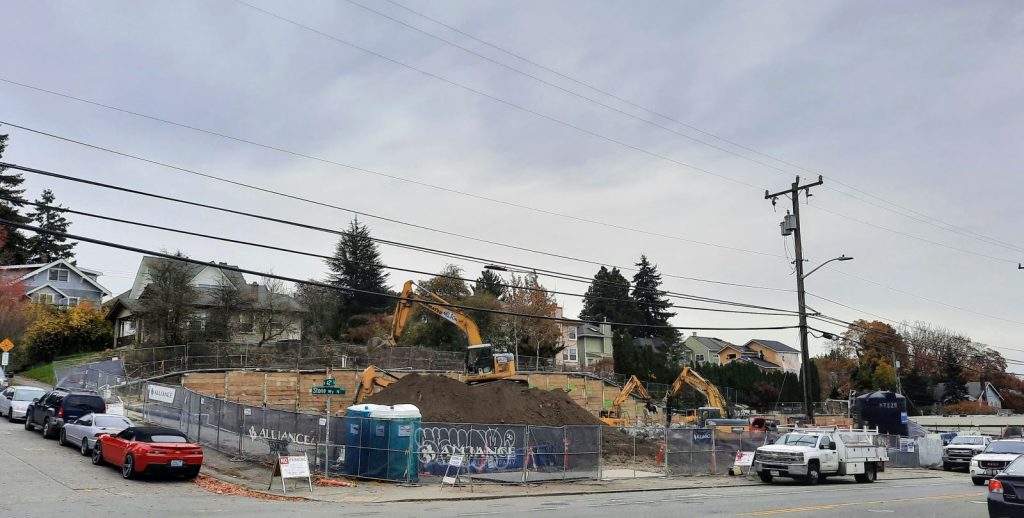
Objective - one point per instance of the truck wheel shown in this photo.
(869, 475)
(813, 474)
(979, 481)
(765, 477)
(947, 466)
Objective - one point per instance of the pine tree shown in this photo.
(43, 248)
(490, 282)
(651, 303)
(952, 375)
(607, 298)
(13, 243)
(357, 265)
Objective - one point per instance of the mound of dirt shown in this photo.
(445, 400)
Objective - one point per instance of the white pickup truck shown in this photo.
(811, 454)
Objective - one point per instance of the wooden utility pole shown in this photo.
(794, 194)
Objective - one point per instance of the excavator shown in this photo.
(482, 363)
(717, 407)
(614, 416)
(368, 380)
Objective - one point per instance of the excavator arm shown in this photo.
(614, 416)
(404, 308)
(690, 377)
(369, 379)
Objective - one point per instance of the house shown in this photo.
(584, 344)
(58, 283)
(705, 349)
(976, 391)
(264, 315)
(777, 353)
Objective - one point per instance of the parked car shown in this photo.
(994, 459)
(961, 449)
(58, 406)
(1006, 491)
(82, 432)
(149, 450)
(14, 400)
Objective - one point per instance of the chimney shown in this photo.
(694, 333)
(254, 291)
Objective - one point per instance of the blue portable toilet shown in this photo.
(380, 442)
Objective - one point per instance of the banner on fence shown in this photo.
(161, 393)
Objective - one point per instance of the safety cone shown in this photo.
(661, 453)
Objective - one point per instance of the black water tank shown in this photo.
(884, 409)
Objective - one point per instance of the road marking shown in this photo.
(772, 512)
(477, 514)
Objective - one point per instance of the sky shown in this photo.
(646, 128)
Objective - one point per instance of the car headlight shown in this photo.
(974, 463)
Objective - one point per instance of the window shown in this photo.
(73, 301)
(572, 333)
(276, 327)
(700, 358)
(57, 274)
(245, 324)
(732, 356)
(826, 442)
(43, 298)
(570, 354)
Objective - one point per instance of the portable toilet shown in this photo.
(380, 442)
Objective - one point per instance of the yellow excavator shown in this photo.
(614, 416)
(369, 379)
(482, 363)
(717, 407)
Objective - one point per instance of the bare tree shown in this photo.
(273, 314)
(228, 303)
(167, 303)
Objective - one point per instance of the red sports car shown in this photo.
(140, 450)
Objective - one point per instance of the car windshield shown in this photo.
(27, 394)
(1005, 447)
(960, 439)
(112, 422)
(167, 438)
(1016, 467)
(89, 403)
(797, 439)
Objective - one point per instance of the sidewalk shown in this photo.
(256, 477)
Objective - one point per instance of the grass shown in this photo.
(42, 373)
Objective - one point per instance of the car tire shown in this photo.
(84, 449)
(978, 481)
(97, 455)
(192, 473)
(28, 424)
(62, 437)
(128, 468)
(765, 477)
(10, 415)
(869, 475)
(47, 429)
(813, 474)
(947, 466)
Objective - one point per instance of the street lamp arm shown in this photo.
(840, 258)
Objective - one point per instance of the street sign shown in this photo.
(329, 382)
(328, 390)
(6, 345)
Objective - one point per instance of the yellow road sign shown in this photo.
(6, 345)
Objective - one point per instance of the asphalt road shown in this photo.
(38, 478)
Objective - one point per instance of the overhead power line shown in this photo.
(270, 275)
(384, 266)
(890, 206)
(418, 248)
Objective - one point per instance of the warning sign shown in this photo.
(6, 345)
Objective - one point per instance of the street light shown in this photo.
(804, 353)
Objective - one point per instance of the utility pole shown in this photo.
(794, 195)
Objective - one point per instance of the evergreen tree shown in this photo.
(357, 265)
(13, 243)
(607, 298)
(952, 375)
(43, 248)
(490, 282)
(651, 303)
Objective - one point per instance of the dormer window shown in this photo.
(58, 274)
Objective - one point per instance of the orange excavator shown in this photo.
(482, 363)
(372, 378)
(614, 416)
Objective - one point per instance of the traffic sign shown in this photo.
(328, 390)
(6, 345)
(329, 382)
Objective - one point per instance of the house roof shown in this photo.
(974, 390)
(590, 330)
(764, 364)
(47, 285)
(149, 262)
(774, 345)
(714, 345)
(37, 268)
(742, 349)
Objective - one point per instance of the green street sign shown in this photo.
(328, 390)
(329, 382)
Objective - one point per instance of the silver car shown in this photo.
(14, 400)
(82, 432)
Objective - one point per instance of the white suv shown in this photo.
(994, 459)
(959, 452)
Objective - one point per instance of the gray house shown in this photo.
(705, 349)
(58, 283)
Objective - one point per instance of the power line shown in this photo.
(923, 217)
(269, 275)
(385, 266)
(341, 232)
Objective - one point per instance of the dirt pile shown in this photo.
(445, 400)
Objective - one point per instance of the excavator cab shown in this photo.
(483, 364)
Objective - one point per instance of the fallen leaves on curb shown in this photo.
(332, 482)
(226, 488)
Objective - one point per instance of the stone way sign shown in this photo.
(328, 388)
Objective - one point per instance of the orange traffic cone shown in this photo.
(661, 453)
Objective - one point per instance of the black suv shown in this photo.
(59, 406)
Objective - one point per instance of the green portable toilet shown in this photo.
(386, 440)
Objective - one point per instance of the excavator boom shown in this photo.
(614, 416)
(690, 377)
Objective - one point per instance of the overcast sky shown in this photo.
(918, 103)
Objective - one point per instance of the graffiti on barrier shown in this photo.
(487, 449)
